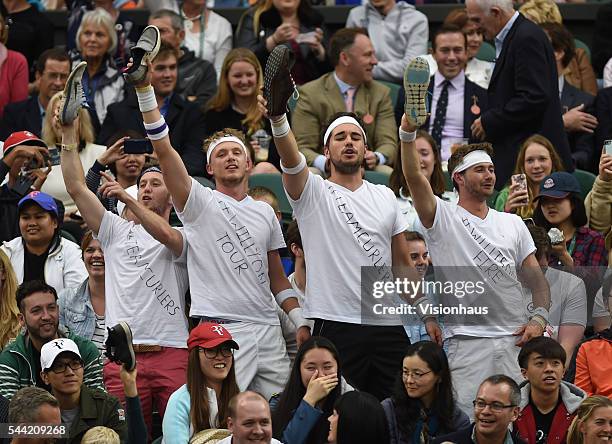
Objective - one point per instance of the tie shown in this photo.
(348, 99)
(438, 125)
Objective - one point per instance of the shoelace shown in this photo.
(296, 93)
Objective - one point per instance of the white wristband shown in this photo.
(157, 130)
(298, 319)
(146, 99)
(542, 312)
(296, 169)
(407, 136)
(283, 295)
(280, 128)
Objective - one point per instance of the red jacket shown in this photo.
(571, 397)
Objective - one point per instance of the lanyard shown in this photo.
(202, 18)
(572, 246)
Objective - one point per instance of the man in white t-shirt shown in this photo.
(146, 275)
(352, 233)
(568, 300)
(233, 262)
(471, 243)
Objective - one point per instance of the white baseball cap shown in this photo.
(51, 349)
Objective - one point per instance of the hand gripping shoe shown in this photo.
(119, 346)
(278, 83)
(416, 81)
(73, 95)
(146, 49)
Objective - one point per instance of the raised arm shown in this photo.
(175, 174)
(534, 279)
(87, 202)
(157, 227)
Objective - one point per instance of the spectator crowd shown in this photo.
(391, 233)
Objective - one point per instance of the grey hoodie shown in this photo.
(571, 395)
(397, 37)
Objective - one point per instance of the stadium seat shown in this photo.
(66, 235)
(486, 52)
(586, 181)
(580, 44)
(394, 89)
(274, 183)
(377, 178)
(204, 181)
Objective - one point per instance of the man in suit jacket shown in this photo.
(523, 92)
(184, 118)
(464, 100)
(52, 69)
(349, 87)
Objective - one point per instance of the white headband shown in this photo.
(471, 159)
(221, 140)
(340, 121)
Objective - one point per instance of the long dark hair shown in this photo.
(409, 410)
(294, 392)
(361, 419)
(578, 215)
(199, 413)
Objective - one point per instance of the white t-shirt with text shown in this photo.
(229, 241)
(145, 283)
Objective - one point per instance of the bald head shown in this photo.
(249, 418)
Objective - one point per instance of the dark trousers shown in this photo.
(371, 355)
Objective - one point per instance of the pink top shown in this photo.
(13, 77)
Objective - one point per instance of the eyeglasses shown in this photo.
(415, 375)
(496, 407)
(211, 353)
(61, 367)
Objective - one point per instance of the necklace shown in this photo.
(189, 28)
(190, 20)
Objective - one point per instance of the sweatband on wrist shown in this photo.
(296, 169)
(157, 130)
(146, 99)
(407, 136)
(280, 128)
(283, 295)
(542, 312)
(97, 167)
(298, 319)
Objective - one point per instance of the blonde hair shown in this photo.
(584, 412)
(541, 11)
(260, 8)
(99, 17)
(100, 435)
(86, 131)
(9, 312)
(223, 99)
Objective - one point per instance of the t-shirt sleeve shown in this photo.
(182, 259)
(108, 228)
(401, 223)
(200, 197)
(310, 197)
(439, 227)
(575, 310)
(525, 245)
(276, 236)
(599, 309)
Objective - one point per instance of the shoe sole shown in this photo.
(128, 335)
(416, 82)
(141, 56)
(280, 57)
(71, 90)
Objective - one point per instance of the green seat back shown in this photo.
(394, 91)
(580, 44)
(377, 178)
(586, 181)
(486, 52)
(274, 183)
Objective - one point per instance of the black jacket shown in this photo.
(470, 91)
(184, 120)
(464, 436)
(581, 142)
(197, 78)
(21, 116)
(603, 112)
(524, 98)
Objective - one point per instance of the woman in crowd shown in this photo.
(235, 106)
(431, 167)
(592, 422)
(125, 168)
(13, 72)
(559, 205)
(358, 418)
(88, 152)
(423, 404)
(599, 200)
(537, 159)
(9, 312)
(315, 383)
(82, 307)
(207, 34)
(476, 70)
(203, 402)
(293, 23)
(40, 253)
(96, 41)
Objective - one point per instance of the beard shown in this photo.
(347, 167)
(478, 191)
(46, 337)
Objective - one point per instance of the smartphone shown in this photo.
(137, 146)
(24, 184)
(607, 146)
(521, 180)
(54, 156)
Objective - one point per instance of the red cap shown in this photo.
(209, 335)
(22, 138)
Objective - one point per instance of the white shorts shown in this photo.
(261, 363)
(473, 359)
